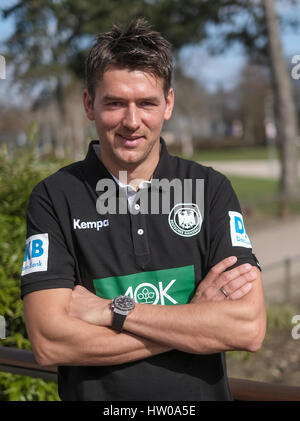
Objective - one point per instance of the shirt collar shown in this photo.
(144, 184)
(95, 170)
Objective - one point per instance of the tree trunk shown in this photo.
(284, 108)
(61, 132)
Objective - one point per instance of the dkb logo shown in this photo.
(33, 249)
(2, 67)
(36, 254)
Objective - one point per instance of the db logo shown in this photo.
(238, 233)
(36, 254)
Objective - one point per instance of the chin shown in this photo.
(129, 163)
(131, 158)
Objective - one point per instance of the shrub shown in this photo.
(20, 171)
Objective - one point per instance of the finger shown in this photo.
(216, 271)
(241, 292)
(238, 282)
(228, 277)
(230, 281)
(220, 267)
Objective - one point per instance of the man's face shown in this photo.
(129, 111)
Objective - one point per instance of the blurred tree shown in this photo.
(52, 36)
(286, 115)
(252, 91)
(191, 112)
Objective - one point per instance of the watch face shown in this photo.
(124, 302)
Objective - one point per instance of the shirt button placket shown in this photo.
(140, 239)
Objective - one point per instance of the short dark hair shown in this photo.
(135, 47)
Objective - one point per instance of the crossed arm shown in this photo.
(73, 327)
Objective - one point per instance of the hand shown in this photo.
(86, 306)
(237, 282)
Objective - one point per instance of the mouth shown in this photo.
(130, 141)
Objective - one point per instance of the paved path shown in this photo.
(273, 242)
(252, 168)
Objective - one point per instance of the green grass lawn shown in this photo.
(260, 196)
(254, 189)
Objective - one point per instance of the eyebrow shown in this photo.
(111, 98)
(116, 98)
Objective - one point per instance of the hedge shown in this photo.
(20, 171)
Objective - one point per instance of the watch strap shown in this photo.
(118, 321)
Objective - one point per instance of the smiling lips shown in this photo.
(130, 141)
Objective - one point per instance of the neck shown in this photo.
(135, 173)
(132, 176)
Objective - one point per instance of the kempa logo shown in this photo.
(2, 67)
(77, 224)
(185, 219)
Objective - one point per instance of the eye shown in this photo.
(114, 104)
(148, 104)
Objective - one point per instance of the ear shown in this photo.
(88, 105)
(169, 104)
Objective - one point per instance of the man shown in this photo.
(184, 282)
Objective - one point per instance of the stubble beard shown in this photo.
(131, 165)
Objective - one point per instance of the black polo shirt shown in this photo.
(155, 257)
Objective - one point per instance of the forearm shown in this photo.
(206, 327)
(79, 343)
(202, 326)
(186, 327)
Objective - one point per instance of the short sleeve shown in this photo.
(47, 261)
(227, 232)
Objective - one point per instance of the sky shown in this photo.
(212, 71)
(6, 25)
(225, 68)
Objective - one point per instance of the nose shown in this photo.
(131, 118)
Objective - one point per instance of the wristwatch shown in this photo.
(121, 306)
